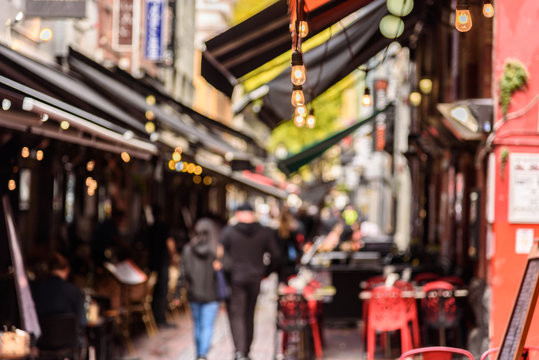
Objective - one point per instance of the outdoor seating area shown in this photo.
(432, 305)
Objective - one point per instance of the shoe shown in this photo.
(240, 356)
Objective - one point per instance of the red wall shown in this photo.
(516, 35)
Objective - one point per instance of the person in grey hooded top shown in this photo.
(244, 245)
(198, 266)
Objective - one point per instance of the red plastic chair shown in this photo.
(387, 312)
(437, 353)
(439, 307)
(411, 310)
(369, 284)
(525, 353)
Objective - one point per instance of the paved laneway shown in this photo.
(177, 344)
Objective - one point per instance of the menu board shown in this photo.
(29, 320)
(523, 188)
(519, 322)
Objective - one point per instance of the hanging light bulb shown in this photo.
(298, 98)
(311, 119)
(366, 99)
(463, 19)
(299, 121)
(488, 9)
(298, 75)
(301, 111)
(303, 29)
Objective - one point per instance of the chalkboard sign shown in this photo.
(27, 309)
(519, 322)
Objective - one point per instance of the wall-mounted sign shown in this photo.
(122, 24)
(153, 47)
(55, 8)
(524, 188)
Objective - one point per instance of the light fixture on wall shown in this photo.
(463, 18)
(425, 85)
(415, 98)
(488, 8)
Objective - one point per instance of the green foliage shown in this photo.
(515, 76)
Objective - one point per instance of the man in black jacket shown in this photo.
(244, 245)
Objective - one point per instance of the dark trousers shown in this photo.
(241, 313)
(160, 295)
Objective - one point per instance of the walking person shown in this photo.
(162, 249)
(197, 274)
(244, 245)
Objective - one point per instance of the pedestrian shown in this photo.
(198, 266)
(55, 295)
(245, 245)
(162, 249)
(291, 240)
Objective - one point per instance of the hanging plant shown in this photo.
(504, 156)
(515, 77)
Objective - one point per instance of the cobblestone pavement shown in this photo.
(178, 344)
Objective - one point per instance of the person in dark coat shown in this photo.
(197, 274)
(244, 245)
(55, 295)
(162, 248)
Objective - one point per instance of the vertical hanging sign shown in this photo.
(153, 47)
(122, 25)
(380, 102)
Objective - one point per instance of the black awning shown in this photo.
(330, 62)
(53, 84)
(101, 79)
(259, 39)
(305, 156)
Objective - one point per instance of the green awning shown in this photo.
(305, 156)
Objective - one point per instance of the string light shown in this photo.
(303, 29)
(488, 9)
(301, 110)
(25, 152)
(64, 125)
(125, 157)
(207, 180)
(39, 155)
(176, 156)
(299, 121)
(150, 127)
(463, 18)
(90, 165)
(45, 34)
(298, 98)
(6, 104)
(366, 99)
(310, 122)
(11, 185)
(298, 74)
